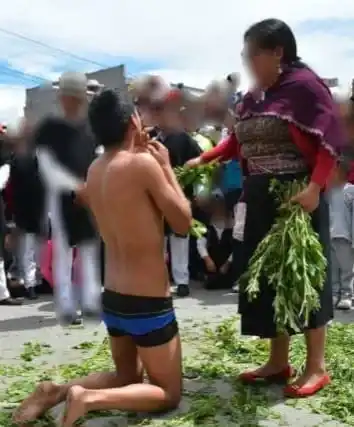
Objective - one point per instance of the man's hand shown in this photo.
(159, 152)
(141, 140)
(210, 265)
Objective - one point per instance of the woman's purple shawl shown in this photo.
(302, 98)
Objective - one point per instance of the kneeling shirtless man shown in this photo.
(130, 190)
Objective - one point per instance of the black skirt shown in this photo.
(257, 317)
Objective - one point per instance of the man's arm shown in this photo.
(162, 185)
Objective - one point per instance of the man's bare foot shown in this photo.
(45, 396)
(75, 407)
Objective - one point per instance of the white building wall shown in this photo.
(41, 101)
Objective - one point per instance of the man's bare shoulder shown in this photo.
(145, 162)
(95, 166)
(125, 164)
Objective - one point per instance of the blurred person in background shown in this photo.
(181, 147)
(5, 297)
(215, 248)
(219, 103)
(162, 107)
(346, 106)
(341, 209)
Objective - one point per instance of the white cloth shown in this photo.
(66, 296)
(4, 175)
(90, 278)
(240, 212)
(57, 177)
(62, 258)
(4, 292)
(179, 247)
(202, 241)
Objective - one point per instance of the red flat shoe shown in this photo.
(251, 377)
(296, 392)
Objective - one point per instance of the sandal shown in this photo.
(296, 392)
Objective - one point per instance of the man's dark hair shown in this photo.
(109, 118)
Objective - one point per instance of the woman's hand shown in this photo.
(309, 198)
(194, 163)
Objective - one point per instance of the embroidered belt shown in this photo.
(275, 165)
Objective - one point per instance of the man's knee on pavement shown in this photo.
(173, 396)
(174, 399)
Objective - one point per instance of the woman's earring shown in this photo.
(280, 68)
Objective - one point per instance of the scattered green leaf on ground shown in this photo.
(220, 354)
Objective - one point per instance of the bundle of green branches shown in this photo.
(291, 259)
(200, 175)
(198, 229)
(203, 176)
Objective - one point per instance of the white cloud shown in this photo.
(196, 40)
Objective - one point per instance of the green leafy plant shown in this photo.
(202, 177)
(219, 355)
(291, 259)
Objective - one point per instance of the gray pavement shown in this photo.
(35, 321)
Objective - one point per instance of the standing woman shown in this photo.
(288, 129)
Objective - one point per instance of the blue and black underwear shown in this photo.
(149, 321)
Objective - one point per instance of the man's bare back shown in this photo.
(130, 225)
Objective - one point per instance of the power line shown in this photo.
(56, 49)
(36, 79)
(25, 76)
(7, 79)
(47, 46)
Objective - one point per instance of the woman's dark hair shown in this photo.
(270, 34)
(109, 118)
(344, 165)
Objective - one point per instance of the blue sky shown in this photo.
(147, 35)
(10, 75)
(340, 27)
